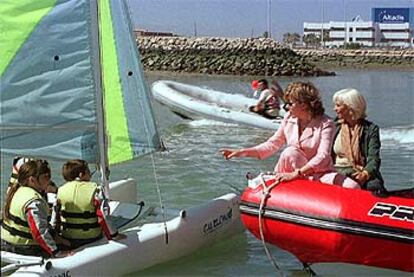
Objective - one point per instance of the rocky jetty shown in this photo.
(260, 57)
(360, 58)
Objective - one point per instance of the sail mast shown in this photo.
(101, 129)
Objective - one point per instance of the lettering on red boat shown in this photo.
(392, 211)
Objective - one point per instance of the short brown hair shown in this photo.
(73, 168)
(307, 93)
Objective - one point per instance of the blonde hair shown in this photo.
(354, 100)
(307, 93)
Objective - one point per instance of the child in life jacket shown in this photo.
(25, 229)
(84, 210)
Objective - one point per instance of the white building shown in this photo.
(366, 33)
(395, 26)
(356, 31)
(339, 33)
(398, 35)
(315, 28)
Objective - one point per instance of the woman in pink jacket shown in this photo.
(308, 134)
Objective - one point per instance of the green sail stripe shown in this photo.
(119, 147)
(17, 20)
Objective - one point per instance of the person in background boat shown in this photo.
(255, 88)
(356, 147)
(308, 133)
(268, 104)
(25, 229)
(84, 209)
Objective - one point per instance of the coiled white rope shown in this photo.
(265, 194)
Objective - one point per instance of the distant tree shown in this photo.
(291, 38)
(265, 34)
(353, 45)
(311, 40)
(326, 35)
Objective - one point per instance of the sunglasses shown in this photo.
(287, 106)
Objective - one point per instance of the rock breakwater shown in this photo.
(261, 57)
(359, 58)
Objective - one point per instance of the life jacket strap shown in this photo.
(18, 221)
(84, 215)
(83, 226)
(32, 250)
(15, 232)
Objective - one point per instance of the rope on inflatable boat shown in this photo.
(265, 194)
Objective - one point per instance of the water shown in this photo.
(192, 171)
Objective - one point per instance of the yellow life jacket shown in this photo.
(15, 230)
(78, 213)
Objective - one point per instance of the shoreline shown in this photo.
(371, 66)
(367, 58)
(170, 74)
(261, 57)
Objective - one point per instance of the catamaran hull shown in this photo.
(321, 223)
(197, 103)
(149, 244)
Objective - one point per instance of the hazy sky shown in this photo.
(242, 18)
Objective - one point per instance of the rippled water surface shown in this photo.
(192, 172)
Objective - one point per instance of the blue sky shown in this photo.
(242, 18)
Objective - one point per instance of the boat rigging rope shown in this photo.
(148, 90)
(159, 198)
(154, 169)
(265, 195)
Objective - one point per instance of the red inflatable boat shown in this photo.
(321, 223)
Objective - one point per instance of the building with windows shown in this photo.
(395, 26)
(391, 27)
(337, 33)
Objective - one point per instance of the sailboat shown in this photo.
(72, 86)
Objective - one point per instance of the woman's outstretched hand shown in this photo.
(285, 177)
(230, 153)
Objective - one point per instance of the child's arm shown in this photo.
(36, 214)
(103, 212)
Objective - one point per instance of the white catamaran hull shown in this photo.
(147, 245)
(197, 103)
